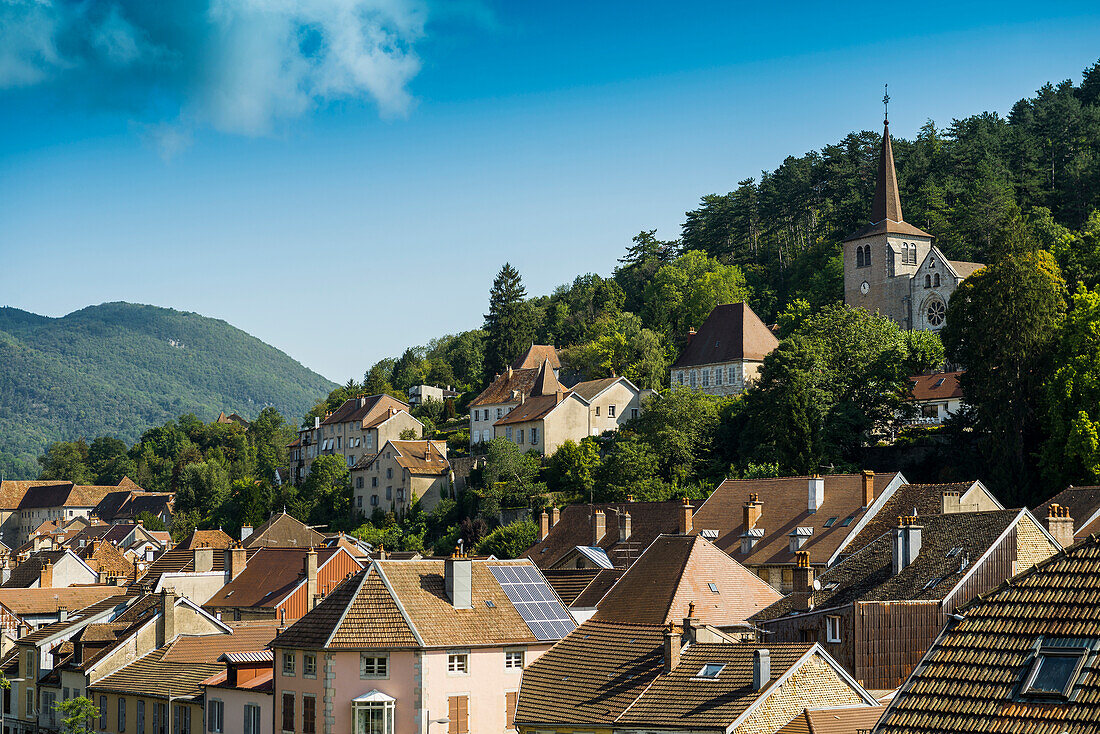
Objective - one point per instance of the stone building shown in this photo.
(727, 352)
(892, 267)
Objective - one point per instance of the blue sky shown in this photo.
(345, 205)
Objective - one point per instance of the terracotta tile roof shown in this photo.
(939, 386)
(576, 526)
(921, 500)
(732, 332)
(834, 721)
(47, 601)
(503, 386)
(535, 356)
(411, 456)
(684, 700)
(677, 570)
(592, 594)
(283, 531)
(568, 583)
(177, 560)
(784, 509)
(1083, 504)
(104, 556)
(368, 410)
(970, 680)
(268, 577)
(532, 409)
(592, 675)
(245, 637)
(217, 539)
(591, 388)
(129, 504)
(78, 619)
(314, 629)
(869, 575)
(153, 677)
(366, 611)
(12, 491)
(30, 570)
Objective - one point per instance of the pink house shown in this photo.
(417, 647)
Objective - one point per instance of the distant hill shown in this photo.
(118, 368)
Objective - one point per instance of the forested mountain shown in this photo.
(118, 368)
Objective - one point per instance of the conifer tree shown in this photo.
(509, 323)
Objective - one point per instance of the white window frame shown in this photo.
(378, 671)
(290, 664)
(832, 628)
(458, 663)
(307, 658)
(514, 659)
(215, 717)
(386, 707)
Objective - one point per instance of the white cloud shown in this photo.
(238, 66)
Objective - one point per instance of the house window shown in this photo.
(458, 711)
(400, 495)
(374, 482)
(534, 436)
(139, 716)
(358, 500)
(500, 413)
(633, 413)
(160, 718)
(458, 663)
(706, 377)
(370, 441)
(597, 410)
(102, 708)
(680, 378)
(374, 500)
(309, 665)
(351, 460)
(710, 670)
(251, 719)
(309, 714)
(513, 659)
(373, 717)
(508, 433)
(359, 482)
(121, 713)
(182, 717)
(288, 663)
(519, 435)
(832, 628)
(374, 666)
(1054, 672)
(288, 712)
(215, 716)
(389, 472)
(927, 281)
(389, 493)
(713, 587)
(611, 411)
(691, 378)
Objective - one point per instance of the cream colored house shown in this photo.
(612, 401)
(727, 352)
(509, 388)
(358, 428)
(398, 474)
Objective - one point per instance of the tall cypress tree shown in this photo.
(509, 322)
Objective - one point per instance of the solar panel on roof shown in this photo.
(531, 596)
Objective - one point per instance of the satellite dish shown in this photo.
(817, 585)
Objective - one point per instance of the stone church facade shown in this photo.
(892, 267)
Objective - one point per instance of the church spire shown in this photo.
(887, 200)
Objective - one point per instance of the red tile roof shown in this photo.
(535, 356)
(506, 387)
(268, 577)
(367, 410)
(940, 386)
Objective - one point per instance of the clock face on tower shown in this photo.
(865, 287)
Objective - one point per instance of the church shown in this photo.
(892, 267)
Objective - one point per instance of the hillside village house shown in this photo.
(239, 699)
(892, 267)
(1019, 658)
(357, 428)
(49, 569)
(538, 413)
(419, 394)
(937, 396)
(727, 352)
(880, 609)
(1075, 512)
(406, 643)
(399, 473)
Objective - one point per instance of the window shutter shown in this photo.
(452, 714)
(510, 709)
(464, 714)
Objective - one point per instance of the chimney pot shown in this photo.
(907, 542)
(555, 515)
(600, 530)
(624, 526)
(1060, 525)
(544, 526)
(310, 564)
(751, 512)
(672, 648)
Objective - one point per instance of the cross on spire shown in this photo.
(886, 104)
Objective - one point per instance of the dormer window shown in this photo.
(1054, 672)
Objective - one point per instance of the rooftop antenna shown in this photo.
(886, 104)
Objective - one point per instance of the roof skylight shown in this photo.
(710, 670)
(713, 587)
(830, 521)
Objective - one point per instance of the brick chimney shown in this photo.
(555, 515)
(952, 502)
(803, 572)
(907, 540)
(624, 525)
(544, 526)
(45, 578)
(600, 522)
(310, 570)
(691, 622)
(751, 511)
(1060, 525)
(204, 558)
(235, 561)
(868, 487)
(816, 493)
(672, 648)
(685, 517)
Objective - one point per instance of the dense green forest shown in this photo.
(118, 368)
(1020, 193)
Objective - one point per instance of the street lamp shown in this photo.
(11, 697)
(444, 721)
